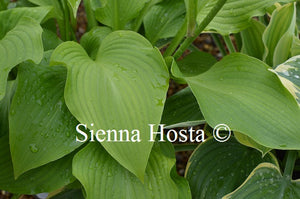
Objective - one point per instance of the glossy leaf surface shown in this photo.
(41, 127)
(215, 168)
(239, 84)
(124, 88)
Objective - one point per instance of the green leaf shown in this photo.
(103, 177)
(266, 180)
(235, 14)
(124, 88)
(279, 34)
(97, 3)
(92, 40)
(215, 168)
(69, 194)
(117, 13)
(164, 20)
(191, 15)
(56, 11)
(241, 92)
(5, 106)
(247, 141)
(43, 179)
(184, 191)
(3, 4)
(252, 40)
(195, 63)
(10, 18)
(295, 49)
(20, 40)
(41, 127)
(74, 4)
(182, 110)
(50, 40)
(22, 43)
(289, 74)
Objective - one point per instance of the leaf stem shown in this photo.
(290, 163)
(89, 14)
(138, 22)
(219, 44)
(238, 40)
(177, 39)
(66, 20)
(208, 18)
(229, 44)
(185, 147)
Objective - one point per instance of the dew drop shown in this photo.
(159, 102)
(33, 148)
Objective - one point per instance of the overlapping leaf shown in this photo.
(182, 110)
(164, 20)
(235, 15)
(103, 177)
(124, 88)
(20, 39)
(92, 40)
(5, 106)
(74, 5)
(266, 180)
(289, 73)
(117, 13)
(56, 11)
(41, 127)
(43, 179)
(278, 36)
(252, 40)
(241, 92)
(10, 18)
(247, 141)
(215, 168)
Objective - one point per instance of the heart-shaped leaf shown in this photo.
(289, 74)
(43, 179)
(20, 40)
(117, 13)
(41, 127)
(123, 89)
(241, 92)
(215, 168)
(103, 177)
(279, 33)
(266, 181)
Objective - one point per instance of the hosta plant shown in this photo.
(87, 117)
